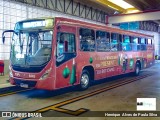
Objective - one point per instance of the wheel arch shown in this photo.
(90, 69)
(139, 62)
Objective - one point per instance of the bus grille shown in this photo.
(29, 83)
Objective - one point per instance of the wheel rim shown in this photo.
(84, 80)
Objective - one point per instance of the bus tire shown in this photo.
(84, 80)
(137, 69)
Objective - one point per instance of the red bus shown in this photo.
(54, 53)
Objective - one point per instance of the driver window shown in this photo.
(65, 43)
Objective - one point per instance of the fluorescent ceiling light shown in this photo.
(122, 3)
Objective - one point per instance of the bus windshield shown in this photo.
(30, 48)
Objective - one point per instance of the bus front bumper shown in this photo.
(47, 84)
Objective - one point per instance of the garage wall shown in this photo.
(11, 12)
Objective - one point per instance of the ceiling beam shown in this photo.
(156, 21)
(96, 6)
(146, 3)
(143, 16)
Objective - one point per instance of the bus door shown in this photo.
(65, 54)
(127, 58)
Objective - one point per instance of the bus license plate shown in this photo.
(24, 85)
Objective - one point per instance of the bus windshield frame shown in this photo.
(31, 48)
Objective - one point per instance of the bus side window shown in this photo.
(108, 48)
(60, 44)
(114, 42)
(146, 41)
(134, 42)
(126, 43)
(149, 42)
(87, 39)
(139, 44)
(65, 43)
(143, 44)
(119, 42)
(102, 40)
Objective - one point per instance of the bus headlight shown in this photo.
(10, 71)
(45, 75)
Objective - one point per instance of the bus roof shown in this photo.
(39, 18)
(90, 25)
(104, 27)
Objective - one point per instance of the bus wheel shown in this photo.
(85, 80)
(137, 69)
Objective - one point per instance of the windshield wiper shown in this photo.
(21, 45)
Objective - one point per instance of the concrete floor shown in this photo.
(122, 98)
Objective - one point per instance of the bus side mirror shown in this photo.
(3, 39)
